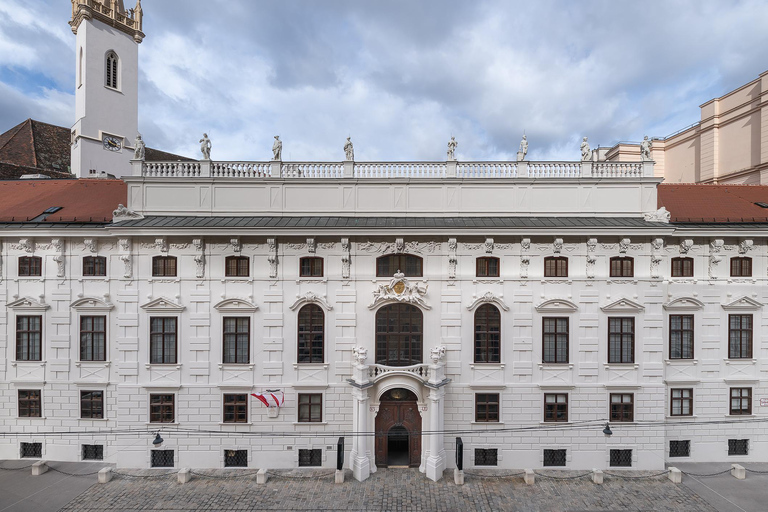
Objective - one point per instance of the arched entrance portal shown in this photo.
(398, 429)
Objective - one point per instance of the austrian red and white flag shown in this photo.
(270, 398)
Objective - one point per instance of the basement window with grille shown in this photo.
(93, 452)
(679, 448)
(235, 458)
(309, 458)
(32, 450)
(162, 458)
(738, 446)
(554, 457)
(486, 457)
(621, 458)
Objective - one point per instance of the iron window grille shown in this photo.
(681, 336)
(487, 407)
(554, 457)
(680, 448)
(32, 450)
(621, 458)
(92, 405)
(310, 407)
(554, 340)
(622, 407)
(487, 334)
(161, 408)
(682, 402)
(237, 266)
(622, 267)
(488, 267)
(621, 340)
(556, 407)
(236, 408)
(682, 267)
(308, 458)
(486, 457)
(408, 264)
(739, 336)
(30, 266)
(556, 266)
(311, 266)
(29, 338)
(741, 267)
(311, 336)
(93, 338)
(94, 266)
(738, 447)
(237, 340)
(741, 401)
(30, 404)
(164, 266)
(93, 452)
(162, 459)
(162, 340)
(235, 458)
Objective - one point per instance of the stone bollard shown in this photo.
(597, 476)
(184, 476)
(675, 475)
(261, 476)
(738, 471)
(39, 467)
(105, 475)
(530, 477)
(339, 476)
(458, 476)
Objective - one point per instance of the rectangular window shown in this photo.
(738, 447)
(236, 408)
(555, 340)
(237, 340)
(32, 450)
(741, 267)
(681, 336)
(92, 405)
(162, 459)
(487, 407)
(682, 267)
(94, 266)
(388, 265)
(311, 267)
(29, 338)
(486, 457)
(93, 338)
(739, 336)
(622, 407)
(556, 267)
(487, 267)
(554, 457)
(308, 458)
(679, 448)
(621, 340)
(161, 408)
(162, 340)
(30, 266)
(556, 407)
(682, 402)
(235, 458)
(164, 266)
(621, 458)
(310, 407)
(236, 266)
(741, 401)
(622, 267)
(93, 452)
(30, 403)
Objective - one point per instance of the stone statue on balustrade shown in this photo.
(645, 149)
(452, 148)
(349, 150)
(523, 150)
(586, 153)
(205, 147)
(138, 148)
(277, 149)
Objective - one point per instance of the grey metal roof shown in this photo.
(53, 225)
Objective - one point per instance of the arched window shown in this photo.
(487, 334)
(164, 266)
(94, 266)
(682, 267)
(556, 266)
(488, 267)
(622, 267)
(311, 334)
(399, 339)
(741, 267)
(236, 266)
(408, 264)
(311, 267)
(111, 71)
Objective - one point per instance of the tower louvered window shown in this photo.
(112, 70)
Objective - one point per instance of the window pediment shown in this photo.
(488, 298)
(162, 304)
(236, 306)
(310, 298)
(91, 304)
(623, 305)
(557, 306)
(684, 304)
(27, 304)
(742, 304)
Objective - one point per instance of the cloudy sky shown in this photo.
(399, 76)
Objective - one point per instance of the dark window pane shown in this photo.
(487, 334)
(93, 452)
(486, 457)
(399, 335)
(408, 264)
(621, 458)
(94, 266)
(164, 266)
(162, 459)
(679, 448)
(237, 340)
(311, 267)
(311, 334)
(236, 266)
(235, 458)
(554, 457)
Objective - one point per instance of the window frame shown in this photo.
(96, 413)
(94, 266)
(555, 410)
(306, 344)
(740, 411)
(402, 341)
(400, 263)
(556, 270)
(741, 330)
(93, 341)
(160, 413)
(237, 334)
(681, 400)
(741, 262)
(313, 411)
(622, 271)
(30, 266)
(312, 262)
(611, 356)
(678, 267)
(239, 412)
(484, 344)
(682, 330)
(488, 402)
(237, 262)
(483, 266)
(163, 333)
(31, 344)
(620, 414)
(112, 70)
(556, 334)
(160, 266)
(33, 401)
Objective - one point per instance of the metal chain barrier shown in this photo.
(636, 477)
(73, 474)
(705, 475)
(128, 475)
(756, 471)
(16, 469)
(542, 475)
(299, 477)
(223, 477)
(484, 475)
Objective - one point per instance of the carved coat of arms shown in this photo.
(400, 289)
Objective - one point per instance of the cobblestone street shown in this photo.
(388, 489)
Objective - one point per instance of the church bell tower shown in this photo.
(106, 86)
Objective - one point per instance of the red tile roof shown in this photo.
(714, 203)
(85, 200)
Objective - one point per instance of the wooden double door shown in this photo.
(398, 430)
